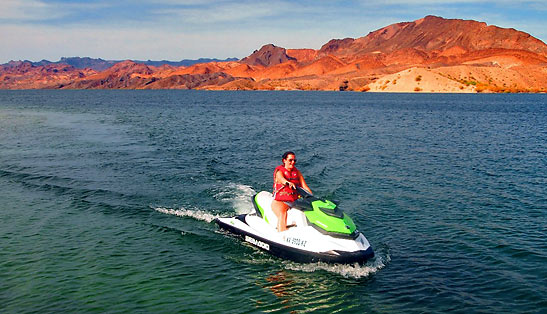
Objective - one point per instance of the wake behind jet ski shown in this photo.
(318, 231)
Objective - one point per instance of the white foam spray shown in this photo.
(196, 214)
(238, 196)
(348, 271)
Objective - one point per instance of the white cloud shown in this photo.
(227, 12)
(32, 11)
(25, 10)
(448, 2)
(52, 43)
(189, 29)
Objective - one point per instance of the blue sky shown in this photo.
(190, 29)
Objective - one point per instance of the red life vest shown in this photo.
(285, 193)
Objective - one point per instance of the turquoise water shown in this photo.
(108, 198)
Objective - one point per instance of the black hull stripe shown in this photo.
(297, 255)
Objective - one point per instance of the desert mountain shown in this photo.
(101, 65)
(431, 54)
(24, 75)
(267, 56)
(436, 37)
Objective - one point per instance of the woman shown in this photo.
(286, 179)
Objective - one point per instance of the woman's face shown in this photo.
(289, 162)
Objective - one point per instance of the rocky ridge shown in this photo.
(431, 54)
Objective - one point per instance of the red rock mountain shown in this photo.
(431, 54)
(267, 56)
(434, 35)
(24, 75)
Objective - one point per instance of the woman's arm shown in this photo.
(303, 182)
(280, 178)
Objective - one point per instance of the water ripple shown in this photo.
(108, 199)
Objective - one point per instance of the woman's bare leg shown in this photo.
(280, 210)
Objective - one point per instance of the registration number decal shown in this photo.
(296, 241)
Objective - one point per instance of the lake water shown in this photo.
(108, 198)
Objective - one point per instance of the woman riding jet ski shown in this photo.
(318, 229)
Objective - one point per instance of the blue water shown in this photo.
(108, 198)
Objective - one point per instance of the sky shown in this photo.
(190, 29)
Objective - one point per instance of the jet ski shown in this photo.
(318, 231)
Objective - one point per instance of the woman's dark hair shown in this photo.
(286, 154)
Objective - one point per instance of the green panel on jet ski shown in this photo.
(326, 216)
(260, 209)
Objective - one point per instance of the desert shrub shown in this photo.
(344, 86)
